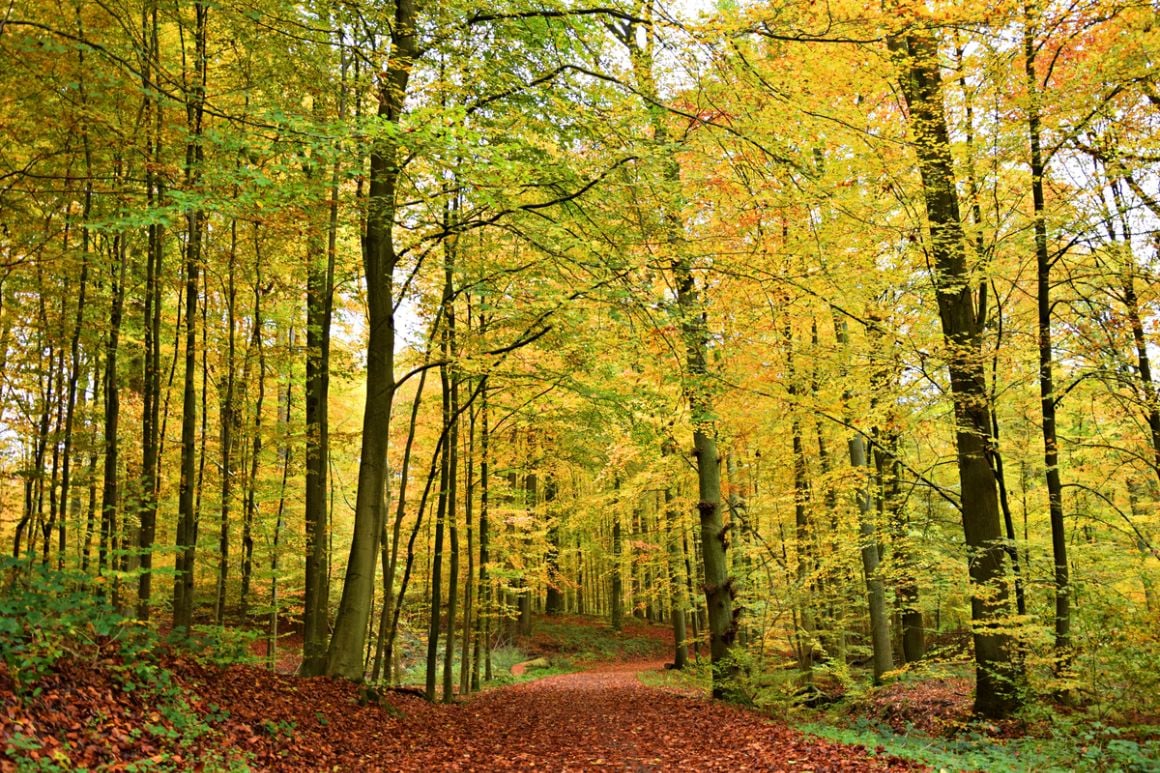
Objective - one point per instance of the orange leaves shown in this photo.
(600, 718)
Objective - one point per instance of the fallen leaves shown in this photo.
(601, 718)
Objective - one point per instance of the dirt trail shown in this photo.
(605, 717)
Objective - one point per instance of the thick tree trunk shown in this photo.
(983, 315)
(998, 674)
(344, 656)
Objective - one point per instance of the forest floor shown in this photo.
(602, 717)
(574, 696)
(103, 711)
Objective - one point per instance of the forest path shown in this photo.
(601, 718)
(604, 717)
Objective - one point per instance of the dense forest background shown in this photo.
(822, 331)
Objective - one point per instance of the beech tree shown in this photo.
(801, 329)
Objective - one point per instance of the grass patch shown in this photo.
(693, 679)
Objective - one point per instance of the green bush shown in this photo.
(46, 614)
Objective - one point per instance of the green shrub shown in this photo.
(47, 614)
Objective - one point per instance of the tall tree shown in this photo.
(692, 320)
(344, 656)
(998, 672)
(1047, 396)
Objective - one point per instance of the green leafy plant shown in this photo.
(46, 614)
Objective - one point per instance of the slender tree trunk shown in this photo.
(451, 460)
(868, 537)
(409, 563)
(250, 511)
(249, 514)
(319, 313)
(875, 588)
(109, 495)
(531, 499)
(229, 420)
(1046, 377)
(75, 349)
(1143, 361)
(469, 655)
(387, 632)
(554, 603)
(803, 523)
(485, 588)
(194, 155)
(446, 472)
(151, 406)
(284, 420)
(676, 582)
(617, 591)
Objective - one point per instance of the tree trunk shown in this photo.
(153, 119)
(344, 656)
(468, 663)
(446, 473)
(694, 329)
(258, 347)
(676, 582)
(485, 588)
(319, 313)
(284, 421)
(229, 419)
(451, 383)
(1046, 376)
(194, 156)
(875, 589)
(998, 674)
(554, 602)
(616, 595)
(868, 537)
(109, 495)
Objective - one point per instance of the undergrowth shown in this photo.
(51, 619)
(924, 715)
(1071, 747)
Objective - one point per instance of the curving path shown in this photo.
(605, 718)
